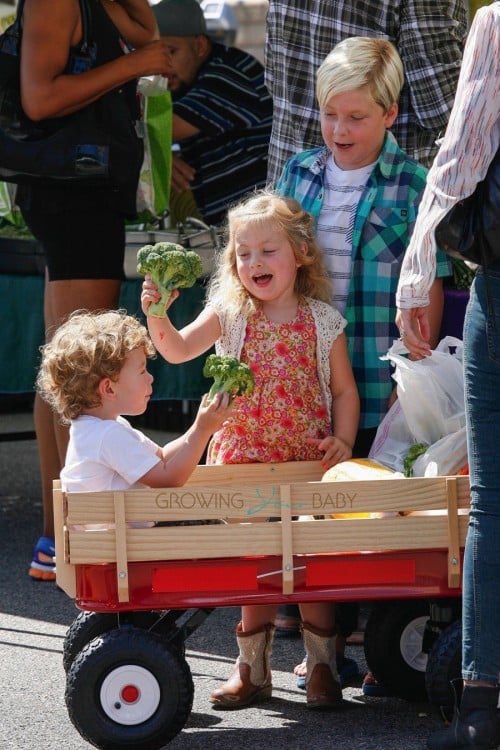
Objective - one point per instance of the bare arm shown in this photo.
(182, 175)
(173, 345)
(182, 129)
(345, 407)
(50, 29)
(345, 393)
(435, 311)
(134, 19)
(180, 457)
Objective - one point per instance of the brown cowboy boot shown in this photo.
(323, 688)
(250, 680)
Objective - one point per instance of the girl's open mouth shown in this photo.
(263, 279)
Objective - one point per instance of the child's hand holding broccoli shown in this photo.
(230, 376)
(170, 267)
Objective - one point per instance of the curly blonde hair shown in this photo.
(86, 348)
(264, 206)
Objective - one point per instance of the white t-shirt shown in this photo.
(106, 454)
(343, 189)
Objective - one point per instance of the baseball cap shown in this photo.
(180, 18)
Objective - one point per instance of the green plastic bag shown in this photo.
(10, 214)
(153, 192)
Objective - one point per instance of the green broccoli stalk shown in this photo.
(171, 267)
(415, 451)
(230, 376)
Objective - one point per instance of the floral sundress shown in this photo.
(286, 406)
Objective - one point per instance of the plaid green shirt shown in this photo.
(428, 35)
(382, 227)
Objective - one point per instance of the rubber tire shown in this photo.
(443, 666)
(121, 648)
(386, 626)
(88, 625)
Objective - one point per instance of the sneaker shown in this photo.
(43, 564)
(347, 669)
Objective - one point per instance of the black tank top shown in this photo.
(109, 45)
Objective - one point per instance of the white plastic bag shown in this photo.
(431, 390)
(445, 457)
(393, 439)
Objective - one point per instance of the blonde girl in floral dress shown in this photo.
(268, 305)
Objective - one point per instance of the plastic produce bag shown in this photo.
(445, 457)
(10, 213)
(429, 409)
(393, 440)
(431, 390)
(153, 192)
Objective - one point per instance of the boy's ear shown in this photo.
(105, 388)
(391, 114)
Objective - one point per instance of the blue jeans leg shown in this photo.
(481, 581)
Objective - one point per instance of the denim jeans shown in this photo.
(481, 577)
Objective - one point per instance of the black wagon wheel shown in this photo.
(443, 666)
(393, 646)
(129, 689)
(88, 625)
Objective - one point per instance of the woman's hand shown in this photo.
(334, 448)
(413, 324)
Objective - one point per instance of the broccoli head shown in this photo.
(230, 376)
(416, 450)
(171, 267)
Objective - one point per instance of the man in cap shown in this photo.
(222, 115)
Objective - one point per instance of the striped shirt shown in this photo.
(232, 109)
(300, 33)
(383, 224)
(470, 143)
(343, 189)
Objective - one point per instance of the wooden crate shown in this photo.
(104, 527)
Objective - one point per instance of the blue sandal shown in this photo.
(43, 564)
(347, 669)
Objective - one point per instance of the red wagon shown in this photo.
(144, 582)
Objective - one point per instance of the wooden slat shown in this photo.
(262, 500)
(238, 540)
(289, 471)
(286, 537)
(65, 572)
(121, 547)
(453, 534)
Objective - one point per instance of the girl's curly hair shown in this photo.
(86, 348)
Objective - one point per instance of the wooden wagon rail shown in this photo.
(112, 527)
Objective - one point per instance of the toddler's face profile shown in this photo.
(134, 385)
(353, 126)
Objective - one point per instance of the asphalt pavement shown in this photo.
(34, 617)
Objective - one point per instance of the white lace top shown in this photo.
(329, 324)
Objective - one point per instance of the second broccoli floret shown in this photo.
(230, 376)
(171, 267)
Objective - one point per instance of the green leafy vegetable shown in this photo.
(415, 451)
(230, 376)
(171, 267)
